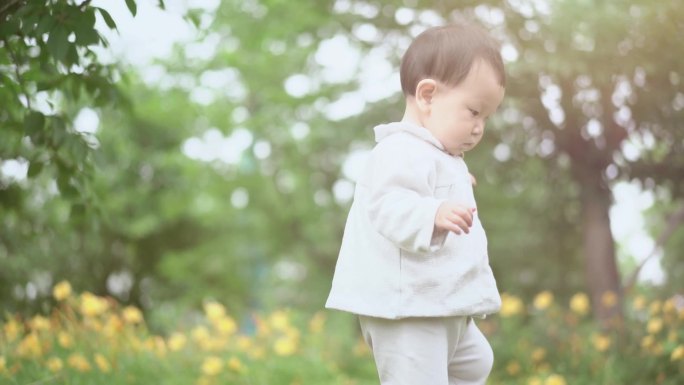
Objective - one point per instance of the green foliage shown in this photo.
(92, 340)
(49, 70)
(126, 212)
(545, 341)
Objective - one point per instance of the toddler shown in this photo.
(413, 263)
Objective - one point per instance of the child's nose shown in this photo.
(479, 127)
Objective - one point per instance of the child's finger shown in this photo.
(461, 223)
(466, 215)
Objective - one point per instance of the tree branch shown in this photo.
(20, 79)
(673, 222)
(7, 7)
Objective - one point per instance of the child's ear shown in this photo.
(425, 92)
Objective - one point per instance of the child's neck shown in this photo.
(411, 114)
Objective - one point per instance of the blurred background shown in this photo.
(168, 153)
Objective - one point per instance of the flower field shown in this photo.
(89, 339)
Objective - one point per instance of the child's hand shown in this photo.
(454, 217)
(473, 180)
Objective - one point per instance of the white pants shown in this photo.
(428, 351)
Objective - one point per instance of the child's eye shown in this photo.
(474, 112)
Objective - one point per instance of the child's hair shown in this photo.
(446, 54)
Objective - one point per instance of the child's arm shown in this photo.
(454, 217)
(401, 206)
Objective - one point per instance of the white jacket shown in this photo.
(392, 264)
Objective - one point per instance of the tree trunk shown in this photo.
(601, 272)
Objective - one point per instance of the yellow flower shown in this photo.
(200, 334)
(214, 310)
(61, 291)
(257, 352)
(647, 341)
(538, 354)
(511, 305)
(30, 346)
(132, 315)
(657, 349)
(639, 302)
(672, 336)
(177, 341)
(3, 364)
(655, 307)
(235, 365)
(93, 324)
(285, 346)
(113, 325)
(292, 332)
(609, 298)
(543, 300)
(78, 362)
(243, 343)
(12, 330)
(601, 342)
(555, 379)
(40, 323)
(212, 366)
(279, 320)
(262, 326)
(225, 326)
(92, 305)
(513, 368)
(669, 306)
(65, 340)
(534, 381)
(678, 353)
(102, 363)
(317, 323)
(579, 303)
(54, 364)
(654, 326)
(361, 348)
(156, 344)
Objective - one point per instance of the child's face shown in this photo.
(457, 115)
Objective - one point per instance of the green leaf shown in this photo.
(58, 131)
(65, 187)
(45, 25)
(194, 16)
(78, 149)
(28, 23)
(78, 211)
(34, 122)
(58, 42)
(162, 5)
(107, 18)
(72, 56)
(35, 168)
(9, 27)
(132, 6)
(85, 31)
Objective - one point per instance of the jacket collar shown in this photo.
(382, 131)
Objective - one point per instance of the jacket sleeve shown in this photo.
(401, 205)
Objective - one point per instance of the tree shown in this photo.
(600, 87)
(48, 68)
(260, 226)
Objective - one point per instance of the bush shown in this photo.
(544, 343)
(94, 340)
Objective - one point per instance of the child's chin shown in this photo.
(468, 146)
